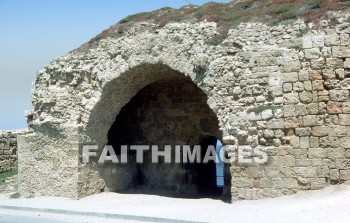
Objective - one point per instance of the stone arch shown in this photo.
(116, 94)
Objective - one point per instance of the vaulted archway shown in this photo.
(170, 110)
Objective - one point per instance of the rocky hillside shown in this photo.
(226, 15)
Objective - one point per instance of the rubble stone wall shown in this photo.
(8, 149)
(283, 89)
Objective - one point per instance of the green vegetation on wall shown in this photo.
(229, 15)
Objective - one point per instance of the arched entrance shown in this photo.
(170, 112)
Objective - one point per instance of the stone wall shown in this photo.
(283, 89)
(303, 121)
(8, 149)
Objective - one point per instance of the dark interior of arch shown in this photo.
(168, 112)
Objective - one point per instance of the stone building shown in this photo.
(283, 89)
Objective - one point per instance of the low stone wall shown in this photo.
(8, 148)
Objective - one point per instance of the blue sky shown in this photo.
(32, 33)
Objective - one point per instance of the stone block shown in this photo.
(315, 75)
(275, 124)
(287, 87)
(268, 133)
(338, 131)
(339, 95)
(290, 183)
(322, 108)
(277, 183)
(318, 183)
(304, 142)
(347, 63)
(290, 66)
(307, 42)
(266, 114)
(291, 98)
(335, 153)
(328, 74)
(334, 63)
(346, 144)
(275, 84)
(279, 133)
(303, 183)
(298, 87)
(331, 40)
(340, 74)
(323, 171)
(304, 75)
(326, 52)
(344, 119)
(312, 53)
(342, 163)
(344, 174)
(344, 39)
(318, 41)
(265, 182)
(303, 162)
(300, 109)
(243, 182)
(252, 116)
(294, 142)
(306, 97)
(323, 96)
(290, 77)
(278, 113)
(307, 172)
(277, 100)
(317, 162)
(312, 108)
(317, 153)
(330, 141)
(283, 150)
(303, 131)
(307, 86)
(341, 51)
(318, 64)
(334, 174)
(334, 107)
(309, 120)
(318, 85)
(347, 153)
(344, 84)
(320, 119)
(282, 161)
(346, 107)
(314, 143)
(289, 110)
(292, 122)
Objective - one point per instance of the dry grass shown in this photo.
(227, 15)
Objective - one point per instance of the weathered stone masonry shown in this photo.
(283, 88)
(8, 149)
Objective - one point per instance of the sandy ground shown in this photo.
(329, 205)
